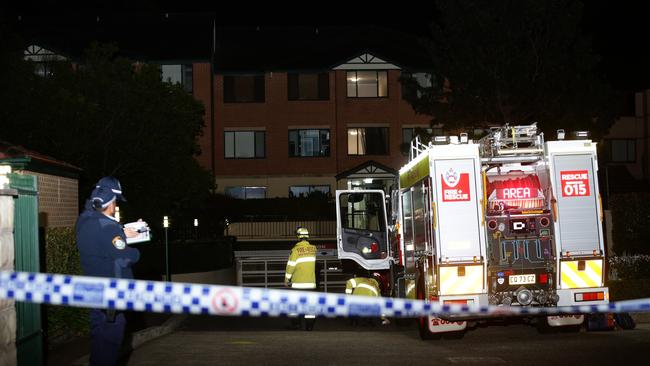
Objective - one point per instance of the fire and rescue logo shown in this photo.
(455, 186)
(575, 183)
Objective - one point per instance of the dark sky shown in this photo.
(618, 28)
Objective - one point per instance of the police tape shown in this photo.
(186, 298)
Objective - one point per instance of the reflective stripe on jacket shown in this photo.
(362, 286)
(301, 266)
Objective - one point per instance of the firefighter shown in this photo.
(301, 270)
(365, 286)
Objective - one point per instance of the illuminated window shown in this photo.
(367, 84)
(305, 143)
(178, 74)
(368, 141)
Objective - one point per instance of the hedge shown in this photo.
(62, 256)
(630, 222)
(631, 267)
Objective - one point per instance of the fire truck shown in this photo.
(509, 220)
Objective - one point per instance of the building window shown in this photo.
(178, 74)
(305, 86)
(43, 69)
(246, 193)
(412, 82)
(305, 191)
(367, 84)
(368, 141)
(244, 144)
(243, 89)
(622, 151)
(309, 143)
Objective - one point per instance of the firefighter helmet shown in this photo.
(302, 233)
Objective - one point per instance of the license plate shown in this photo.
(524, 279)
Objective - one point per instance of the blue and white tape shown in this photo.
(171, 297)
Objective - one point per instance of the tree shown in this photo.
(110, 116)
(513, 61)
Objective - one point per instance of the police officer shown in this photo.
(301, 269)
(102, 247)
(107, 182)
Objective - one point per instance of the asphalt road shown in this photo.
(247, 341)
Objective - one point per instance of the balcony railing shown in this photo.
(281, 230)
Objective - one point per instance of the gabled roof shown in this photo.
(366, 61)
(369, 169)
(260, 49)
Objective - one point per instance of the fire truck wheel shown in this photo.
(423, 322)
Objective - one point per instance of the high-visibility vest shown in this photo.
(301, 266)
(362, 286)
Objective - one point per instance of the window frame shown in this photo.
(255, 136)
(322, 86)
(309, 129)
(259, 89)
(245, 188)
(413, 75)
(310, 190)
(347, 133)
(184, 76)
(356, 83)
(628, 141)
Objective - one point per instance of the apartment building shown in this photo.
(296, 110)
(626, 160)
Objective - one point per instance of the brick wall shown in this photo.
(58, 199)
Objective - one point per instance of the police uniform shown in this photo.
(103, 251)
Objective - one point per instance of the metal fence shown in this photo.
(255, 269)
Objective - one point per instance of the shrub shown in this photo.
(62, 256)
(630, 217)
(630, 267)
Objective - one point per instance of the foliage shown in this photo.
(630, 267)
(629, 289)
(62, 256)
(630, 218)
(110, 116)
(514, 61)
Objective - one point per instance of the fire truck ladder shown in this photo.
(512, 144)
(417, 148)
